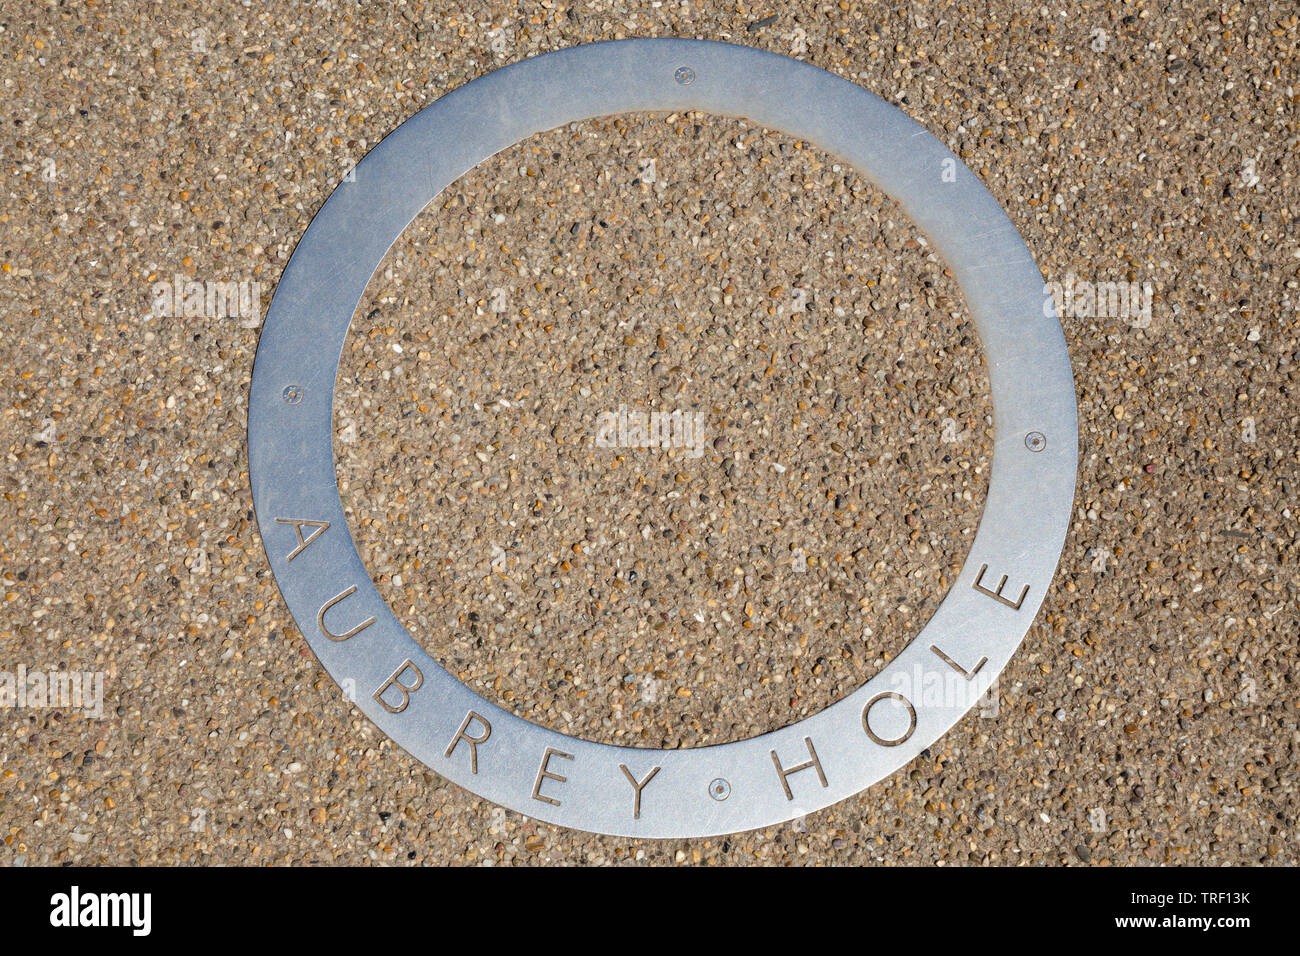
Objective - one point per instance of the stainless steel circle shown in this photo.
(619, 790)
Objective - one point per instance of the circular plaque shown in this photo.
(623, 790)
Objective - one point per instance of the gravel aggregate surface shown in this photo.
(763, 567)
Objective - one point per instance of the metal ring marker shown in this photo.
(621, 790)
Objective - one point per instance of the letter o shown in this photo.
(866, 723)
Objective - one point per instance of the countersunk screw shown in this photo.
(719, 789)
(685, 76)
(1035, 441)
(292, 394)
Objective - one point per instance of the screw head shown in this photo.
(292, 394)
(684, 76)
(1035, 441)
(719, 789)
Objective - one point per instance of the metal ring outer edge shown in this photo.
(1021, 532)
